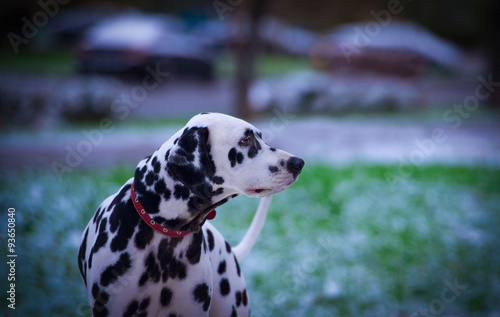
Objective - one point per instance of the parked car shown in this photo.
(129, 43)
(399, 49)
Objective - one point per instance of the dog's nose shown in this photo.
(294, 165)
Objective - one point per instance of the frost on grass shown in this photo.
(340, 242)
(343, 243)
(50, 217)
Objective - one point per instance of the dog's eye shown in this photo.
(246, 141)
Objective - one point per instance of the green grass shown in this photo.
(266, 65)
(340, 242)
(58, 62)
(63, 62)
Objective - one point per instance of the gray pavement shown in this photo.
(336, 141)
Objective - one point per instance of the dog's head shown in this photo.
(233, 155)
(216, 157)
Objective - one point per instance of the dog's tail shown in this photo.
(246, 244)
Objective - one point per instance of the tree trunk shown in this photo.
(494, 53)
(246, 54)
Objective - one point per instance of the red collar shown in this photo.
(153, 224)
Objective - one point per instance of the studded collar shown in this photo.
(153, 224)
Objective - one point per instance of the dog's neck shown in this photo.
(172, 203)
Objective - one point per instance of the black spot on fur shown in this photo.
(150, 201)
(91, 256)
(160, 220)
(249, 133)
(222, 267)
(152, 271)
(234, 313)
(131, 309)
(144, 304)
(225, 288)
(124, 218)
(98, 215)
(218, 180)
(81, 257)
(143, 236)
(101, 299)
(254, 146)
(167, 194)
(150, 178)
(217, 192)
(238, 270)
(254, 150)
(140, 172)
(165, 297)
(177, 269)
(156, 166)
(210, 237)
(273, 149)
(102, 238)
(238, 298)
(144, 278)
(239, 157)
(234, 157)
(245, 298)
(193, 253)
(181, 192)
(228, 247)
(160, 187)
(119, 198)
(95, 290)
(172, 223)
(112, 272)
(170, 266)
(197, 203)
(201, 295)
(188, 141)
(99, 310)
(273, 169)
(188, 174)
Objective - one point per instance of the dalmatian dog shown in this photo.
(149, 251)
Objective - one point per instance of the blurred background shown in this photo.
(393, 104)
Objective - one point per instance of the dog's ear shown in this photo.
(189, 161)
